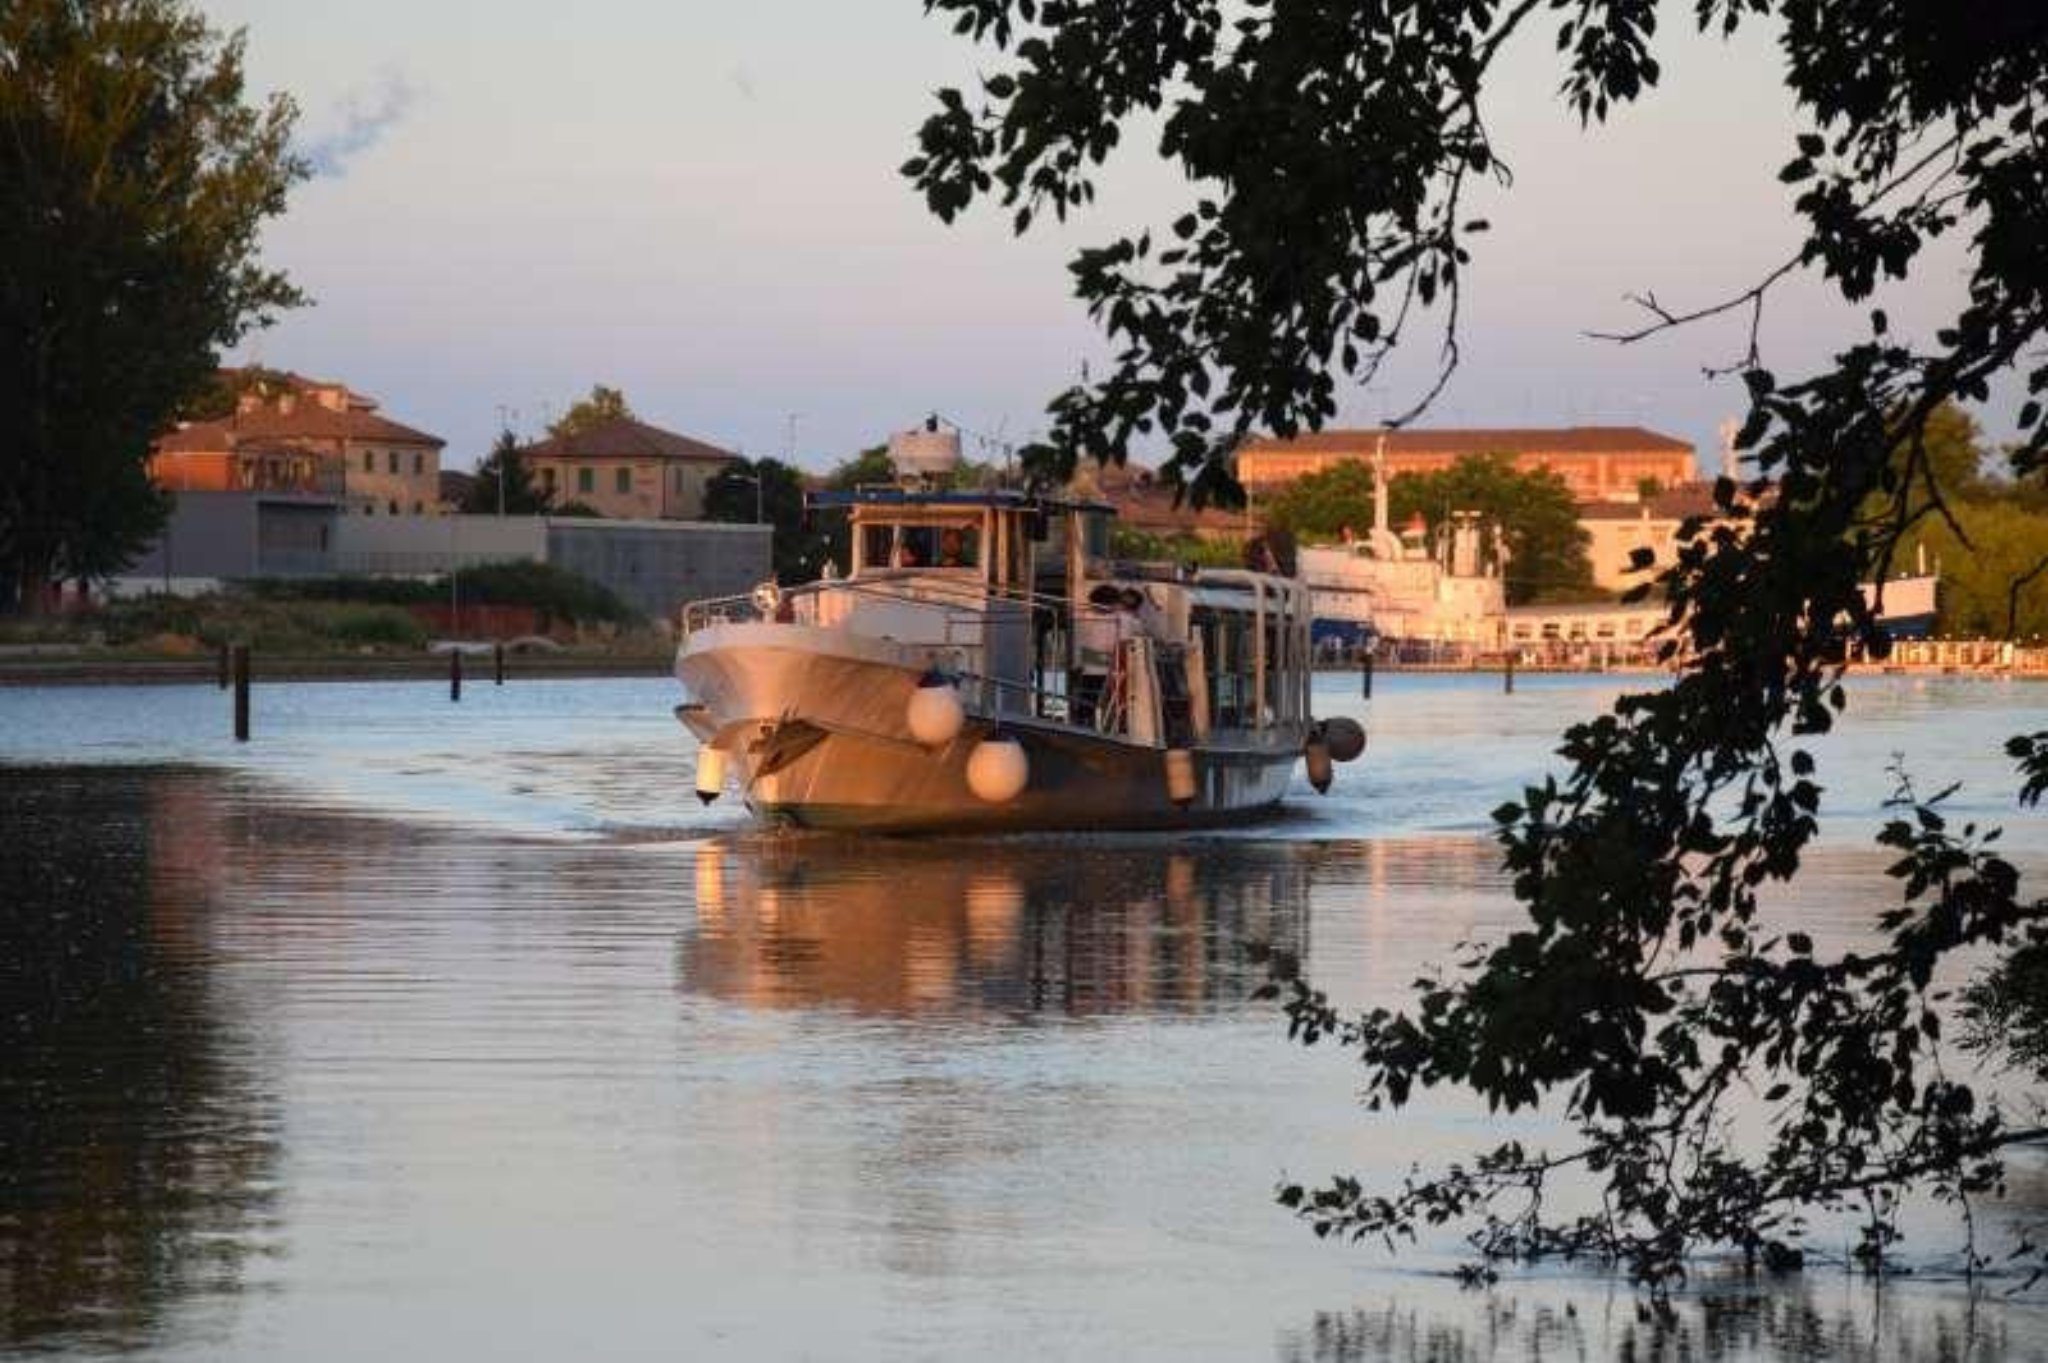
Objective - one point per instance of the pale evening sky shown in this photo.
(698, 203)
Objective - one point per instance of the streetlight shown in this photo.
(755, 479)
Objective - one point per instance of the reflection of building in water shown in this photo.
(137, 1147)
(900, 928)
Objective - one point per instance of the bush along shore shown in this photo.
(550, 620)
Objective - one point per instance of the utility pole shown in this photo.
(789, 441)
(505, 418)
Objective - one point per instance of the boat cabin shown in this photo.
(1021, 595)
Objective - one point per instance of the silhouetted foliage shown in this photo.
(504, 483)
(1329, 145)
(134, 183)
(733, 496)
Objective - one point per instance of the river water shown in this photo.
(420, 1030)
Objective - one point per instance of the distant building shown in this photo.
(1615, 530)
(292, 434)
(455, 489)
(1598, 463)
(1614, 631)
(628, 470)
(1145, 502)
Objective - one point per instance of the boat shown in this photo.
(985, 664)
(1395, 592)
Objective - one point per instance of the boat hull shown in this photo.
(816, 735)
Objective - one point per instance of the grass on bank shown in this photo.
(343, 616)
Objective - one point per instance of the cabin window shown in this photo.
(921, 546)
(1095, 536)
(1227, 649)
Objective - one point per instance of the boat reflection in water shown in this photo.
(1007, 926)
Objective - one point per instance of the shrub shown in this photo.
(389, 626)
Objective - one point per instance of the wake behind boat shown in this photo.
(986, 665)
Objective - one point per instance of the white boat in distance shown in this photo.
(985, 665)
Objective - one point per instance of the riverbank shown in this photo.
(77, 669)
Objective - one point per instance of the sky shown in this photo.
(698, 203)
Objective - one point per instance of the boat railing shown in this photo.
(897, 587)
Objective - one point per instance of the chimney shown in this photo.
(1730, 466)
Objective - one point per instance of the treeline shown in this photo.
(1992, 543)
(1546, 548)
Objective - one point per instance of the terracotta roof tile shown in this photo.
(306, 421)
(1672, 504)
(625, 438)
(1476, 440)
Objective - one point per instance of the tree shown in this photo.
(604, 404)
(731, 496)
(869, 468)
(1546, 546)
(1984, 558)
(1330, 145)
(1320, 505)
(221, 395)
(504, 484)
(134, 182)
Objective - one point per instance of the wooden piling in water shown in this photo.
(455, 674)
(1365, 675)
(226, 666)
(498, 665)
(1507, 673)
(241, 671)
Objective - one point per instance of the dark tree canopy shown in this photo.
(731, 496)
(1329, 144)
(504, 483)
(134, 181)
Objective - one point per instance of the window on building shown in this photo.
(622, 480)
(586, 481)
(391, 461)
(676, 478)
(369, 508)
(419, 508)
(394, 506)
(369, 461)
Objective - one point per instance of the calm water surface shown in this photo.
(459, 1032)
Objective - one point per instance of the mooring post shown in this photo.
(455, 674)
(1365, 675)
(241, 670)
(225, 666)
(498, 664)
(1508, 674)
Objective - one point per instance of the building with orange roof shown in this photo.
(292, 434)
(1598, 463)
(628, 470)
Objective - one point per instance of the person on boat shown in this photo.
(1098, 633)
(953, 549)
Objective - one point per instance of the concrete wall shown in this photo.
(411, 545)
(214, 535)
(658, 566)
